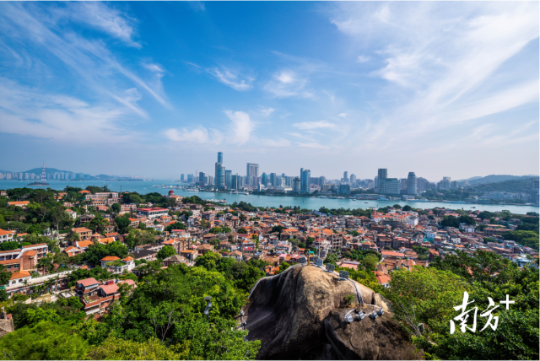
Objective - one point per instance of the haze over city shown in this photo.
(156, 89)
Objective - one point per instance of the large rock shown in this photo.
(297, 314)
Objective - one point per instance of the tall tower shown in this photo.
(381, 179)
(43, 175)
(219, 175)
(411, 184)
(252, 173)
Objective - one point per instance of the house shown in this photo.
(21, 204)
(175, 259)
(73, 251)
(189, 254)
(84, 233)
(392, 254)
(145, 254)
(87, 286)
(71, 214)
(116, 265)
(6, 236)
(383, 279)
(19, 277)
(152, 212)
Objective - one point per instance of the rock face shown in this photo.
(299, 314)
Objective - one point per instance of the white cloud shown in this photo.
(362, 59)
(231, 79)
(287, 83)
(281, 142)
(198, 135)
(313, 146)
(91, 61)
(343, 115)
(241, 126)
(313, 125)
(267, 111)
(30, 112)
(105, 18)
(444, 64)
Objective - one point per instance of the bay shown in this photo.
(314, 203)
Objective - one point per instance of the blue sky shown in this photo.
(156, 89)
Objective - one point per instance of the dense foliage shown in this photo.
(428, 296)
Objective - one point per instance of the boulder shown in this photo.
(296, 315)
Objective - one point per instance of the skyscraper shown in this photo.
(252, 173)
(264, 179)
(228, 178)
(411, 184)
(273, 181)
(296, 185)
(305, 180)
(202, 179)
(220, 172)
(346, 177)
(381, 176)
(352, 180)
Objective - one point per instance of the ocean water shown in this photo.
(313, 203)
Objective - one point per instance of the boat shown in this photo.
(192, 190)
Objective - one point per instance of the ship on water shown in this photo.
(43, 181)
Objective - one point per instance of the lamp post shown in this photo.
(207, 309)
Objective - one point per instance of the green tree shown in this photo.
(122, 223)
(95, 253)
(118, 349)
(116, 207)
(242, 231)
(176, 225)
(49, 341)
(331, 258)
(165, 252)
(8, 246)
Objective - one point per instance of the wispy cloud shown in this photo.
(362, 59)
(266, 112)
(287, 83)
(104, 18)
(231, 78)
(198, 135)
(314, 125)
(30, 112)
(440, 61)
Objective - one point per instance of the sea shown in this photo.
(312, 203)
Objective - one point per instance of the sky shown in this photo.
(156, 89)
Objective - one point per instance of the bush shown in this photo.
(349, 299)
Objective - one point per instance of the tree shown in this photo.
(50, 341)
(209, 260)
(116, 207)
(95, 253)
(119, 349)
(282, 267)
(278, 229)
(407, 208)
(176, 225)
(122, 223)
(8, 246)
(524, 238)
(242, 231)
(331, 258)
(165, 252)
(450, 221)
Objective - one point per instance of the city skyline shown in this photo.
(329, 87)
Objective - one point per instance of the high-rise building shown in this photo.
(304, 181)
(344, 189)
(228, 178)
(264, 179)
(220, 172)
(322, 180)
(391, 186)
(296, 185)
(202, 179)
(273, 180)
(411, 184)
(252, 174)
(445, 183)
(352, 180)
(210, 180)
(236, 181)
(190, 178)
(181, 178)
(345, 178)
(382, 174)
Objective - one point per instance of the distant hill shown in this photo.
(522, 184)
(496, 178)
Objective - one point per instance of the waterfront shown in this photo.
(315, 203)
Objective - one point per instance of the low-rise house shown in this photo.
(145, 254)
(6, 236)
